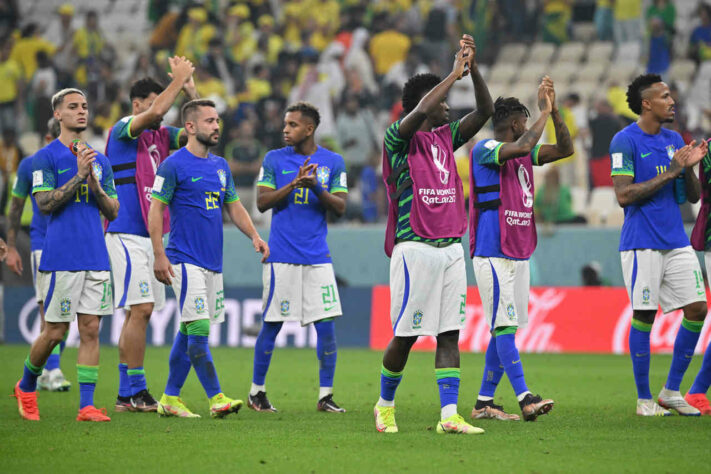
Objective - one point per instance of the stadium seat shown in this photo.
(512, 53)
(541, 53)
(532, 71)
(503, 72)
(591, 71)
(584, 31)
(603, 202)
(629, 52)
(615, 218)
(563, 72)
(571, 52)
(579, 198)
(621, 72)
(600, 51)
(682, 70)
(30, 142)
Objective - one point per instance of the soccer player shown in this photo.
(300, 182)
(52, 378)
(196, 184)
(137, 145)
(701, 241)
(502, 237)
(74, 185)
(658, 264)
(426, 220)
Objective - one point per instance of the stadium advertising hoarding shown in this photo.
(561, 319)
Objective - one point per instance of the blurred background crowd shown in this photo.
(351, 58)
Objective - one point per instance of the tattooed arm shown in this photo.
(49, 201)
(563, 147)
(108, 206)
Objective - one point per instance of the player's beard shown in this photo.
(207, 140)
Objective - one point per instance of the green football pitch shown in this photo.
(592, 428)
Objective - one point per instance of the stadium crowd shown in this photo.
(350, 58)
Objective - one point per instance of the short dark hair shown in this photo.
(142, 88)
(637, 87)
(192, 106)
(307, 110)
(58, 98)
(415, 88)
(54, 128)
(506, 107)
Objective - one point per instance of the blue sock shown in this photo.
(326, 352)
(53, 359)
(137, 379)
(178, 365)
(389, 382)
(29, 376)
(639, 352)
(703, 378)
(201, 359)
(124, 383)
(493, 370)
(263, 349)
(510, 359)
(448, 382)
(86, 394)
(684, 346)
(63, 344)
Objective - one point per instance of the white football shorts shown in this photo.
(200, 293)
(69, 293)
(38, 277)
(504, 286)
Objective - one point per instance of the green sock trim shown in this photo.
(505, 330)
(390, 373)
(33, 368)
(327, 320)
(201, 327)
(184, 329)
(56, 350)
(136, 371)
(87, 373)
(640, 326)
(451, 372)
(693, 326)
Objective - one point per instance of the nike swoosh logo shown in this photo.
(516, 361)
(645, 155)
(287, 172)
(329, 308)
(63, 171)
(268, 352)
(641, 354)
(196, 179)
(328, 353)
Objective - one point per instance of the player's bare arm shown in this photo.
(691, 184)
(529, 139)
(49, 201)
(473, 121)
(434, 98)
(108, 206)
(628, 192)
(3, 250)
(563, 147)
(161, 268)
(13, 257)
(181, 72)
(240, 218)
(267, 198)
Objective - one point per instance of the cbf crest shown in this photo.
(223, 177)
(284, 308)
(97, 170)
(322, 175)
(200, 304)
(417, 320)
(65, 306)
(670, 152)
(645, 295)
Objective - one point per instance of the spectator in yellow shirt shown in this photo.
(27, 47)
(388, 48)
(195, 35)
(274, 42)
(628, 21)
(88, 45)
(10, 87)
(556, 16)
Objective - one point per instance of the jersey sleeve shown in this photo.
(44, 177)
(534, 155)
(267, 174)
(23, 179)
(622, 156)
(165, 182)
(339, 178)
(107, 180)
(174, 136)
(122, 129)
(230, 191)
(457, 138)
(393, 142)
(487, 152)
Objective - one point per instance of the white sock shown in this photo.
(386, 403)
(521, 396)
(448, 410)
(323, 391)
(256, 388)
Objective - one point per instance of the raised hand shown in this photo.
(468, 42)
(544, 99)
(85, 157)
(181, 69)
(548, 82)
(461, 63)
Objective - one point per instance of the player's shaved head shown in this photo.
(416, 88)
(507, 108)
(637, 89)
(191, 108)
(58, 98)
(307, 110)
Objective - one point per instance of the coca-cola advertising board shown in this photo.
(561, 319)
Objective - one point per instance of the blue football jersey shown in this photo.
(485, 169)
(298, 230)
(22, 189)
(195, 189)
(123, 150)
(75, 238)
(655, 222)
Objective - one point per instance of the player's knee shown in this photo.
(646, 317)
(696, 311)
(447, 339)
(141, 313)
(88, 327)
(56, 332)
